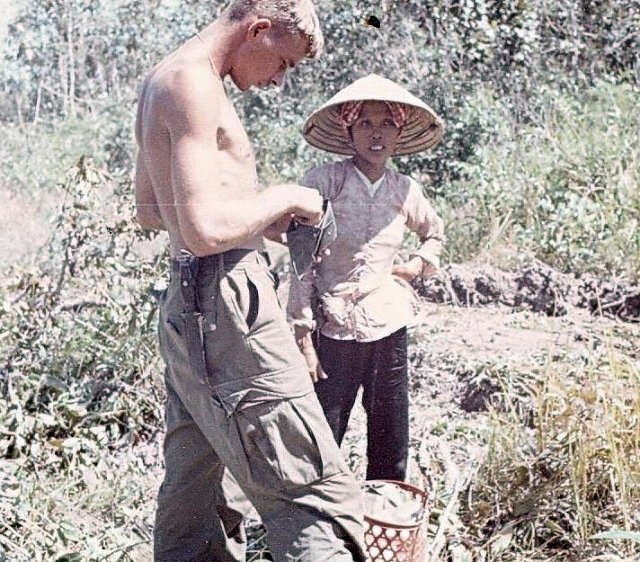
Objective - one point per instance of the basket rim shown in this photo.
(409, 487)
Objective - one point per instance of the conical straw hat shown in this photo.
(422, 130)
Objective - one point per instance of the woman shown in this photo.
(365, 302)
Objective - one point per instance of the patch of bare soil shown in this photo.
(25, 226)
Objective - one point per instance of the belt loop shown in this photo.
(217, 293)
(188, 265)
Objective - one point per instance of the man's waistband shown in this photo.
(225, 261)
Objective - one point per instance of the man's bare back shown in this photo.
(196, 173)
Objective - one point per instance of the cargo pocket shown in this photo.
(228, 319)
(281, 448)
(269, 335)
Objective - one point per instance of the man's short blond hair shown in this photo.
(295, 16)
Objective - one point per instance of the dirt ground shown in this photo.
(451, 346)
(468, 358)
(25, 226)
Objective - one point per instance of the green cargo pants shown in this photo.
(243, 422)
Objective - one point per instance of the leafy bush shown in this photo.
(59, 66)
(34, 158)
(564, 188)
(80, 363)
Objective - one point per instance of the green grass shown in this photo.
(35, 157)
(564, 186)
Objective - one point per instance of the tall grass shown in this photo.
(565, 186)
(34, 157)
(553, 484)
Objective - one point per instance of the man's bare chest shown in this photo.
(233, 142)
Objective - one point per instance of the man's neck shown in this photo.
(219, 40)
(372, 171)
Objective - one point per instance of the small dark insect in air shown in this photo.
(373, 21)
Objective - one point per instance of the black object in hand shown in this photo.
(306, 243)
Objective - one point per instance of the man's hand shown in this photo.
(305, 344)
(276, 230)
(306, 204)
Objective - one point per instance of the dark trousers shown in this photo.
(380, 367)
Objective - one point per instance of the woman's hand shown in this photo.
(414, 267)
(305, 344)
(410, 269)
(316, 372)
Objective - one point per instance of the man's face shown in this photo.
(374, 133)
(266, 56)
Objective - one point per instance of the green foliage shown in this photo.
(86, 512)
(564, 188)
(523, 158)
(65, 57)
(79, 360)
(36, 157)
(540, 152)
(80, 382)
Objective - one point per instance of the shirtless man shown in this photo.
(241, 409)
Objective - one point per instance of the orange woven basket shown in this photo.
(387, 541)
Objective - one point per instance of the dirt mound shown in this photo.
(540, 288)
(533, 286)
(609, 298)
(464, 285)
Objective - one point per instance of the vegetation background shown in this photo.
(540, 159)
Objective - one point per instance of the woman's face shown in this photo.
(374, 133)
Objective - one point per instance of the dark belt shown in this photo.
(209, 265)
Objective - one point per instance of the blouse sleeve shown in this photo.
(425, 222)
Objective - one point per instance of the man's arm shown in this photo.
(208, 222)
(147, 210)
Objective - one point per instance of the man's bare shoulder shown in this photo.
(185, 93)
